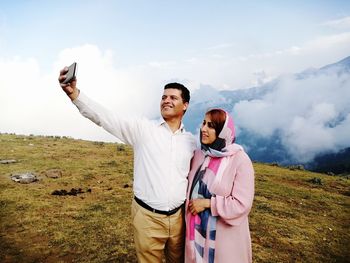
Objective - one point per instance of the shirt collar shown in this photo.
(162, 122)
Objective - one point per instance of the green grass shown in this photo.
(293, 219)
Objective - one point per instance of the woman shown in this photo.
(219, 196)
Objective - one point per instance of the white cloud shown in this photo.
(342, 23)
(33, 102)
(21, 92)
(311, 115)
(237, 72)
(207, 94)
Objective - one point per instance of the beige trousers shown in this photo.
(156, 234)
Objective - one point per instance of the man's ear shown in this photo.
(185, 106)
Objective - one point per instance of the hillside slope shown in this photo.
(298, 216)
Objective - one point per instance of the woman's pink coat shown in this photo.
(232, 203)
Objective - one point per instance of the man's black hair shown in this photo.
(185, 93)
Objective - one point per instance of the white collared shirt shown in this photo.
(161, 157)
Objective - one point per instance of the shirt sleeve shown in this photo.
(234, 208)
(126, 130)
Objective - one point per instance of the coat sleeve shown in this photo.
(125, 129)
(234, 208)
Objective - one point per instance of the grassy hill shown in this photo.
(298, 216)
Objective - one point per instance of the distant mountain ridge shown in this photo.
(265, 149)
(337, 163)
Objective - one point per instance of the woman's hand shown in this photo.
(198, 205)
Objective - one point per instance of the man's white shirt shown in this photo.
(161, 158)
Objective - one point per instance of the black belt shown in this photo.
(146, 206)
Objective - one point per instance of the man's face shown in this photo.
(172, 105)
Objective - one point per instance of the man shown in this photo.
(162, 154)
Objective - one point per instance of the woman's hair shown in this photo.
(218, 118)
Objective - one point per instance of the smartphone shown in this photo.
(70, 76)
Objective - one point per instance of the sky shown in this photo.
(127, 50)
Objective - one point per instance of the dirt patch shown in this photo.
(53, 173)
(73, 192)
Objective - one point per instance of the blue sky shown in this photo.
(126, 50)
(142, 31)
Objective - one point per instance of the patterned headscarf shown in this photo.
(220, 147)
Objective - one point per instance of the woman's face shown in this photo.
(207, 130)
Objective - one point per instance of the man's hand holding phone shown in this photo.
(67, 80)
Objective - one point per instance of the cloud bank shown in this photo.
(312, 114)
(31, 101)
(341, 23)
